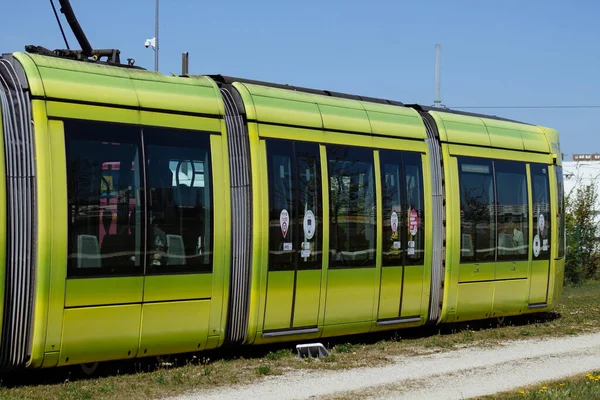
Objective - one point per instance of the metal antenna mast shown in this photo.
(156, 39)
(437, 102)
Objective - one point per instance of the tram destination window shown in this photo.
(104, 185)
(512, 208)
(295, 210)
(478, 226)
(180, 211)
(541, 212)
(352, 209)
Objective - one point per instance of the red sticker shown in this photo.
(413, 222)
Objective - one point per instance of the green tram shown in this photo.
(151, 215)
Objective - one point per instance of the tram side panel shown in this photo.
(490, 237)
(329, 281)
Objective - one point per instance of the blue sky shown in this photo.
(494, 53)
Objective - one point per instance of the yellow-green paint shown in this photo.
(269, 109)
(462, 150)
(344, 119)
(51, 359)
(100, 333)
(313, 135)
(379, 237)
(222, 237)
(346, 329)
(103, 291)
(44, 228)
(474, 300)
(58, 239)
(349, 289)
(511, 269)
(510, 297)
(389, 295)
(260, 212)
(306, 304)
(174, 327)
(280, 291)
(177, 287)
(538, 289)
(476, 272)
(412, 291)
(92, 113)
(488, 132)
(325, 254)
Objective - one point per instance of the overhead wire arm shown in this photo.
(59, 24)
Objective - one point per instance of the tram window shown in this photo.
(560, 211)
(512, 209)
(541, 212)
(295, 215)
(394, 217)
(414, 209)
(105, 211)
(351, 207)
(478, 226)
(180, 211)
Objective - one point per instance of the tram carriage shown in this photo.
(149, 215)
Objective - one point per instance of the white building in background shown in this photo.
(582, 170)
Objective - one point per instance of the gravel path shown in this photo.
(456, 374)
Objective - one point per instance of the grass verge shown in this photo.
(577, 312)
(580, 387)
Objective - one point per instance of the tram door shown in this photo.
(540, 265)
(295, 236)
(403, 237)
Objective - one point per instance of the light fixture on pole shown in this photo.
(154, 41)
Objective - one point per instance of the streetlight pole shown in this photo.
(156, 39)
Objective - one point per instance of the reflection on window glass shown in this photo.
(414, 209)
(295, 213)
(105, 212)
(478, 228)
(393, 215)
(351, 207)
(513, 206)
(179, 201)
(561, 211)
(541, 211)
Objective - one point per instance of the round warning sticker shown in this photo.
(309, 224)
(284, 222)
(394, 222)
(536, 245)
(413, 222)
(541, 222)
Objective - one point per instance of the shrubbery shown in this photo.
(582, 256)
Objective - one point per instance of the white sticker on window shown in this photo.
(541, 222)
(305, 253)
(536, 245)
(394, 222)
(411, 251)
(287, 247)
(284, 222)
(397, 245)
(309, 224)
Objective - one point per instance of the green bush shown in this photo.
(582, 258)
